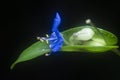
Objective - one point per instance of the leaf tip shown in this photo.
(13, 65)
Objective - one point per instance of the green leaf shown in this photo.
(92, 49)
(37, 49)
(89, 46)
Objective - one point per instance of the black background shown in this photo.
(28, 19)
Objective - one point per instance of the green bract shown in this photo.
(80, 39)
(96, 44)
(36, 49)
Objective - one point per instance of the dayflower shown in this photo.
(80, 39)
(55, 40)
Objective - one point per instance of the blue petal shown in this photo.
(56, 22)
(56, 41)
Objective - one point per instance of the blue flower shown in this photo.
(55, 39)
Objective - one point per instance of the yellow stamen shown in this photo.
(47, 37)
(40, 39)
(47, 54)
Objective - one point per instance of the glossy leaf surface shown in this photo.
(37, 49)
